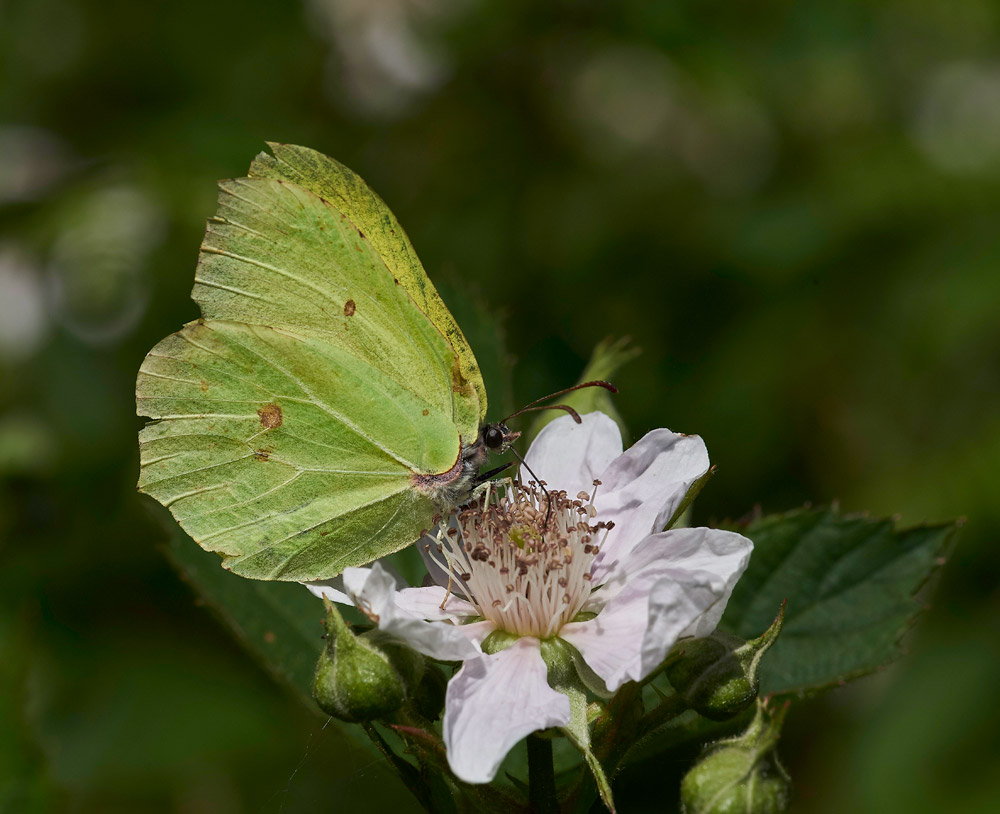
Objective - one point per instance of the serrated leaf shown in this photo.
(850, 583)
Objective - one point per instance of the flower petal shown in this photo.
(374, 592)
(426, 603)
(642, 488)
(324, 591)
(476, 631)
(569, 456)
(493, 702)
(678, 583)
(611, 643)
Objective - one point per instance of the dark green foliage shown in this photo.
(850, 584)
(280, 624)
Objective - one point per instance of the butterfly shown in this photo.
(326, 406)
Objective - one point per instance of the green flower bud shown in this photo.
(717, 676)
(740, 775)
(359, 678)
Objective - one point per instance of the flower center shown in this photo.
(522, 555)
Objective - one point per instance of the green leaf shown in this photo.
(607, 358)
(849, 581)
(281, 624)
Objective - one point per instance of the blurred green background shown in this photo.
(790, 206)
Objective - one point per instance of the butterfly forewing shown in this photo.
(346, 190)
(292, 418)
(277, 255)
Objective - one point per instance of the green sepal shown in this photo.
(428, 697)
(563, 676)
(678, 517)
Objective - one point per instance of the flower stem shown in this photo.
(670, 707)
(541, 776)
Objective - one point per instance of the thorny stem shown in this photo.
(541, 776)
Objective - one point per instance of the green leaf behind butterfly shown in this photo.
(850, 583)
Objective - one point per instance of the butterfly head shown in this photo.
(498, 437)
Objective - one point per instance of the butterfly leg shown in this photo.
(481, 479)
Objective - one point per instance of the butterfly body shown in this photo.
(315, 417)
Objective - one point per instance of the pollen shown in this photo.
(522, 555)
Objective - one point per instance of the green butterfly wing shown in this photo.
(291, 419)
(333, 181)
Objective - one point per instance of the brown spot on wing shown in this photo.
(349, 308)
(204, 386)
(270, 416)
(426, 412)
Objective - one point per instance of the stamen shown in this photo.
(522, 555)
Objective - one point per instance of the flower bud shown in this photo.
(359, 678)
(741, 774)
(717, 676)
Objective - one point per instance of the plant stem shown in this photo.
(669, 708)
(541, 776)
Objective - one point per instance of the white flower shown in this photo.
(514, 566)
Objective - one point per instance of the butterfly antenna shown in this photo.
(530, 406)
(541, 484)
(566, 407)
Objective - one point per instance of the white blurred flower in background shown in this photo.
(627, 101)
(957, 122)
(23, 319)
(97, 280)
(386, 53)
(31, 161)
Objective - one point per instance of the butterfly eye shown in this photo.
(493, 437)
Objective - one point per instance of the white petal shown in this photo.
(476, 631)
(328, 592)
(611, 643)
(426, 603)
(678, 583)
(642, 488)
(371, 589)
(569, 456)
(493, 702)
(374, 590)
